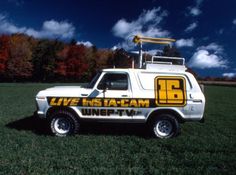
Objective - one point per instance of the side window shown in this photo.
(114, 82)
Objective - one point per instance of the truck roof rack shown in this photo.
(141, 39)
(167, 60)
(167, 64)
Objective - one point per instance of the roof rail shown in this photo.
(166, 64)
(167, 60)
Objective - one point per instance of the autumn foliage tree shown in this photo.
(24, 58)
(102, 57)
(72, 63)
(19, 65)
(4, 53)
(120, 59)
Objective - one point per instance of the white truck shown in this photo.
(161, 93)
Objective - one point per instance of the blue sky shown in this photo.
(205, 30)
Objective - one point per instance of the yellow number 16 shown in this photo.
(170, 91)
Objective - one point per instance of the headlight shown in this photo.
(40, 98)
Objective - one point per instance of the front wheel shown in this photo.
(165, 126)
(64, 123)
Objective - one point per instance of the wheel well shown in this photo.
(156, 113)
(51, 110)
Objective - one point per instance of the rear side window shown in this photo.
(114, 82)
(147, 80)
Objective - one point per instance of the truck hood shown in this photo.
(65, 91)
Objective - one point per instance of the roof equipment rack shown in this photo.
(141, 39)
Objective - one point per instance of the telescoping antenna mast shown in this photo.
(141, 39)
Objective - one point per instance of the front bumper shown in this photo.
(35, 114)
(39, 114)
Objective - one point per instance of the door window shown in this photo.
(114, 82)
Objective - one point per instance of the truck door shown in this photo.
(112, 97)
(114, 85)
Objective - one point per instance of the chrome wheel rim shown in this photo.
(62, 125)
(163, 128)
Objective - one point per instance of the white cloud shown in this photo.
(195, 11)
(191, 27)
(7, 27)
(150, 52)
(229, 75)
(61, 29)
(153, 52)
(234, 22)
(86, 43)
(218, 49)
(203, 59)
(147, 24)
(121, 28)
(127, 45)
(50, 29)
(185, 42)
(114, 48)
(155, 32)
(209, 56)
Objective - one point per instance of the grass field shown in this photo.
(26, 148)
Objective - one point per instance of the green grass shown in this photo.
(25, 148)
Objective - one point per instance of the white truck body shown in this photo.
(129, 95)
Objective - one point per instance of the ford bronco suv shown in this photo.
(160, 95)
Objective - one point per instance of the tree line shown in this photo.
(24, 58)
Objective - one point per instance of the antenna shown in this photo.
(141, 39)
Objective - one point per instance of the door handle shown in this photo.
(124, 95)
(84, 95)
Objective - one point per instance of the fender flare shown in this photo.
(156, 111)
(56, 108)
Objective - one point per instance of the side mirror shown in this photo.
(105, 87)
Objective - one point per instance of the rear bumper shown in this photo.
(202, 120)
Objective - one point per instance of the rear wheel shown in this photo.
(64, 123)
(165, 126)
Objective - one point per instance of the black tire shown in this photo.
(64, 123)
(165, 126)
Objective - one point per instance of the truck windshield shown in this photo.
(94, 80)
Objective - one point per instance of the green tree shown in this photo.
(45, 56)
(171, 51)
